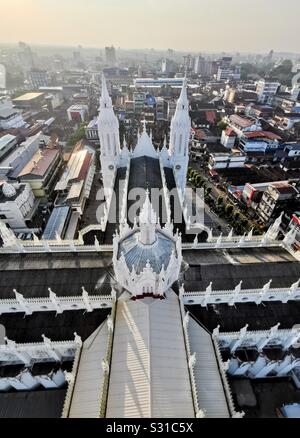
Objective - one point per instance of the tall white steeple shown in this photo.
(148, 221)
(108, 128)
(179, 138)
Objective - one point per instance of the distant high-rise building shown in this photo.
(168, 66)
(39, 78)
(269, 57)
(188, 62)
(25, 57)
(202, 66)
(110, 56)
(2, 76)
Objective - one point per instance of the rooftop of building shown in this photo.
(57, 327)
(77, 107)
(252, 174)
(27, 97)
(76, 169)
(243, 122)
(262, 134)
(6, 139)
(263, 398)
(226, 268)
(65, 274)
(32, 404)
(40, 163)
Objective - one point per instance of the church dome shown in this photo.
(136, 254)
(8, 190)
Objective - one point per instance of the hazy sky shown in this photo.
(195, 25)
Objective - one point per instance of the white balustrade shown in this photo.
(53, 303)
(239, 295)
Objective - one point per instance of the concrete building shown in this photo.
(276, 198)
(91, 131)
(2, 77)
(171, 108)
(161, 109)
(78, 113)
(228, 138)
(240, 124)
(30, 101)
(203, 66)
(9, 116)
(157, 83)
(228, 160)
(110, 56)
(259, 141)
(168, 66)
(266, 90)
(41, 172)
(139, 100)
(17, 205)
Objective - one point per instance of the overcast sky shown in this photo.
(192, 25)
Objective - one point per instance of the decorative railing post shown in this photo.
(207, 295)
(48, 344)
(239, 341)
(86, 300)
(54, 301)
(23, 303)
(235, 294)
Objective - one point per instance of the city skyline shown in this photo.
(194, 26)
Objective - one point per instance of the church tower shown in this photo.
(108, 129)
(179, 138)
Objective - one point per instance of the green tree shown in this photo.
(77, 136)
(237, 215)
(220, 200)
(229, 209)
(222, 125)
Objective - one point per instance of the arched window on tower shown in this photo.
(108, 144)
(115, 145)
(180, 144)
(102, 144)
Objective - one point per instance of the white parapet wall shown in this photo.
(239, 295)
(54, 303)
(46, 351)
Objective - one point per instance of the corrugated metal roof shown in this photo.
(211, 396)
(149, 370)
(87, 390)
(56, 222)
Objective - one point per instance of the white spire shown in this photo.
(105, 99)
(179, 138)
(148, 221)
(183, 103)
